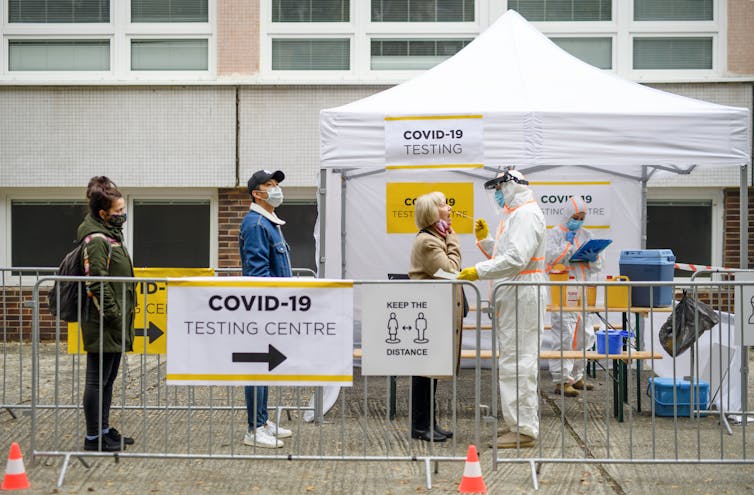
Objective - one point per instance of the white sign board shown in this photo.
(553, 196)
(456, 140)
(744, 303)
(407, 329)
(260, 331)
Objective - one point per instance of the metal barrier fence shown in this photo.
(607, 425)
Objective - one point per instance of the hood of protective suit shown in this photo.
(516, 194)
(575, 204)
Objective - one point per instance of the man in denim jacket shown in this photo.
(264, 253)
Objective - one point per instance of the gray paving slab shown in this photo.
(175, 421)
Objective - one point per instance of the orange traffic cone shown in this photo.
(472, 481)
(15, 474)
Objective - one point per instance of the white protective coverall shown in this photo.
(569, 330)
(518, 254)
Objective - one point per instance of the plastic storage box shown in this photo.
(649, 265)
(664, 396)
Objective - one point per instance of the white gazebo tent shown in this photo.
(541, 108)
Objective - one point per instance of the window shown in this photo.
(594, 51)
(188, 54)
(310, 11)
(300, 234)
(673, 10)
(58, 11)
(169, 10)
(403, 54)
(422, 10)
(42, 232)
(171, 234)
(683, 226)
(563, 10)
(311, 54)
(672, 53)
(58, 55)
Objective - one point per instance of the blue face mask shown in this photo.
(574, 224)
(499, 198)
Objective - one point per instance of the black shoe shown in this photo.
(115, 435)
(428, 435)
(442, 431)
(108, 445)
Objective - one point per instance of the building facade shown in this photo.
(180, 101)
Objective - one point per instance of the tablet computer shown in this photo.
(593, 246)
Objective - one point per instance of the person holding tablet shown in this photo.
(569, 331)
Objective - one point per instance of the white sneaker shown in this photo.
(261, 438)
(276, 430)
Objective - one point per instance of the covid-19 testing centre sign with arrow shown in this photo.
(260, 331)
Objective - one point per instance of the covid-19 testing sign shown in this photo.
(260, 331)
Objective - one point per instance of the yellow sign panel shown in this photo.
(400, 198)
(151, 300)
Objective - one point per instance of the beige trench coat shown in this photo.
(430, 252)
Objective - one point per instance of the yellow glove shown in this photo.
(481, 230)
(469, 273)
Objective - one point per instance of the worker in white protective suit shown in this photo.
(517, 253)
(569, 330)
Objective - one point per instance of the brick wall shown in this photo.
(16, 320)
(731, 251)
(233, 205)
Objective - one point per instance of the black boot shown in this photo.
(428, 435)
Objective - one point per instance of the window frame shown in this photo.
(360, 30)
(698, 195)
(119, 31)
(130, 194)
(53, 74)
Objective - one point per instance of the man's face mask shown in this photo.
(274, 196)
(574, 224)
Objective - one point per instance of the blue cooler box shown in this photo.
(664, 396)
(649, 265)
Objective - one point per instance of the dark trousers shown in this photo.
(92, 406)
(423, 392)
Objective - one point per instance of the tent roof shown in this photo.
(542, 106)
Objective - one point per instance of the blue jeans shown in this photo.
(261, 403)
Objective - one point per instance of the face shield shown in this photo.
(498, 190)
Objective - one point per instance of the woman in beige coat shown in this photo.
(435, 246)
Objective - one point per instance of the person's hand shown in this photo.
(481, 230)
(570, 235)
(469, 273)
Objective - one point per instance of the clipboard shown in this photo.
(594, 246)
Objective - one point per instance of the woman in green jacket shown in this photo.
(108, 313)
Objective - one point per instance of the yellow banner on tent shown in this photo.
(151, 300)
(400, 198)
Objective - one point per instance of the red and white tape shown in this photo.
(688, 267)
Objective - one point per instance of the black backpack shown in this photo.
(70, 291)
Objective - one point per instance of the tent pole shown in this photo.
(644, 180)
(744, 218)
(322, 220)
(342, 225)
(743, 236)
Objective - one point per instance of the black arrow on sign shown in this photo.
(153, 332)
(273, 357)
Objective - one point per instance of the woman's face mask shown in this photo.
(574, 224)
(117, 220)
(274, 196)
(499, 198)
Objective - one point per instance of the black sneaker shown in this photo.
(108, 445)
(115, 435)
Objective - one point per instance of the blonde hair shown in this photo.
(426, 209)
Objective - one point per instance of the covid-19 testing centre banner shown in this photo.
(259, 331)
